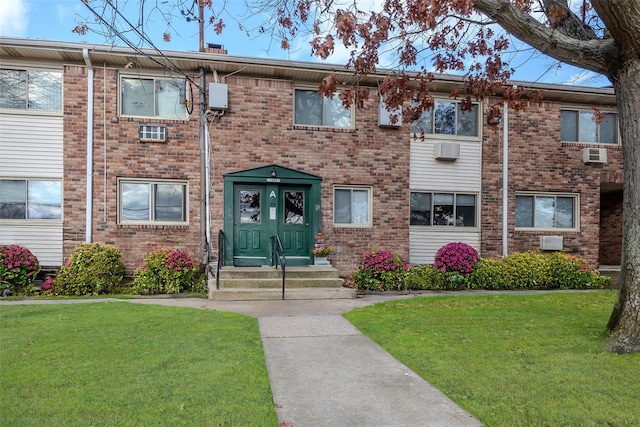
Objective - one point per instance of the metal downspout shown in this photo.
(505, 179)
(89, 197)
(204, 244)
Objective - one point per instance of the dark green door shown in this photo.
(262, 211)
(251, 226)
(293, 223)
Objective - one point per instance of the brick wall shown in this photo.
(258, 130)
(539, 162)
(117, 153)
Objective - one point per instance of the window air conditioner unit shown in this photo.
(152, 133)
(447, 150)
(385, 116)
(551, 243)
(218, 96)
(594, 155)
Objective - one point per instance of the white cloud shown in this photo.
(13, 18)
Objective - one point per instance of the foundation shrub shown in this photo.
(18, 268)
(529, 270)
(490, 274)
(167, 271)
(93, 269)
(570, 272)
(424, 277)
(381, 271)
(456, 257)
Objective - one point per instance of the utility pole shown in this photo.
(201, 23)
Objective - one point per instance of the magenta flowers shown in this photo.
(456, 257)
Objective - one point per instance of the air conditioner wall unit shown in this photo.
(594, 155)
(447, 151)
(551, 243)
(385, 116)
(218, 96)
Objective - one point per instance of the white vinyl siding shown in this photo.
(427, 174)
(31, 148)
(43, 238)
(425, 243)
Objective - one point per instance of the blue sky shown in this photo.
(54, 20)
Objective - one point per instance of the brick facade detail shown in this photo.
(540, 162)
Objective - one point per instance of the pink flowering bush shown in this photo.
(166, 271)
(381, 270)
(93, 268)
(18, 267)
(456, 257)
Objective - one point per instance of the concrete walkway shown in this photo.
(324, 372)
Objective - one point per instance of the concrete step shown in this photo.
(291, 282)
(269, 272)
(253, 294)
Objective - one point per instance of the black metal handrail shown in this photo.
(278, 256)
(220, 257)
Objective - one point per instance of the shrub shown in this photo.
(529, 270)
(166, 271)
(93, 268)
(490, 274)
(18, 268)
(570, 272)
(456, 257)
(381, 270)
(424, 277)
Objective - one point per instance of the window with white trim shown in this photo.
(447, 118)
(547, 211)
(352, 206)
(448, 209)
(39, 90)
(311, 108)
(152, 201)
(153, 97)
(581, 126)
(30, 199)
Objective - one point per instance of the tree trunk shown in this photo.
(624, 324)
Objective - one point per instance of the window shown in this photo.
(352, 206)
(31, 89)
(143, 202)
(30, 199)
(311, 108)
(154, 133)
(449, 209)
(447, 118)
(153, 97)
(546, 211)
(580, 126)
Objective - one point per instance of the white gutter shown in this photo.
(89, 198)
(505, 178)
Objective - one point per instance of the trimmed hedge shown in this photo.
(93, 269)
(527, 270)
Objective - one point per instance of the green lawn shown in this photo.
(122, 364)
(514, 360)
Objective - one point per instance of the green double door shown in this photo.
(261, 211)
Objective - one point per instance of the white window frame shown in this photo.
(576, 210)
(152, 133)
(35, 111)
(352, 188)
(151, 201)
(335, 96)
(155, 78)
(27, 218)
(455, 136)
(452, 227)
(590, 112)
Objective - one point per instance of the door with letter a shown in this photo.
(265, 210)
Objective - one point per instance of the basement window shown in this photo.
(152, 133)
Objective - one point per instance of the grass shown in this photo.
(122, 364)
(514, 360)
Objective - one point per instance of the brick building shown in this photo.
(125, 131)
